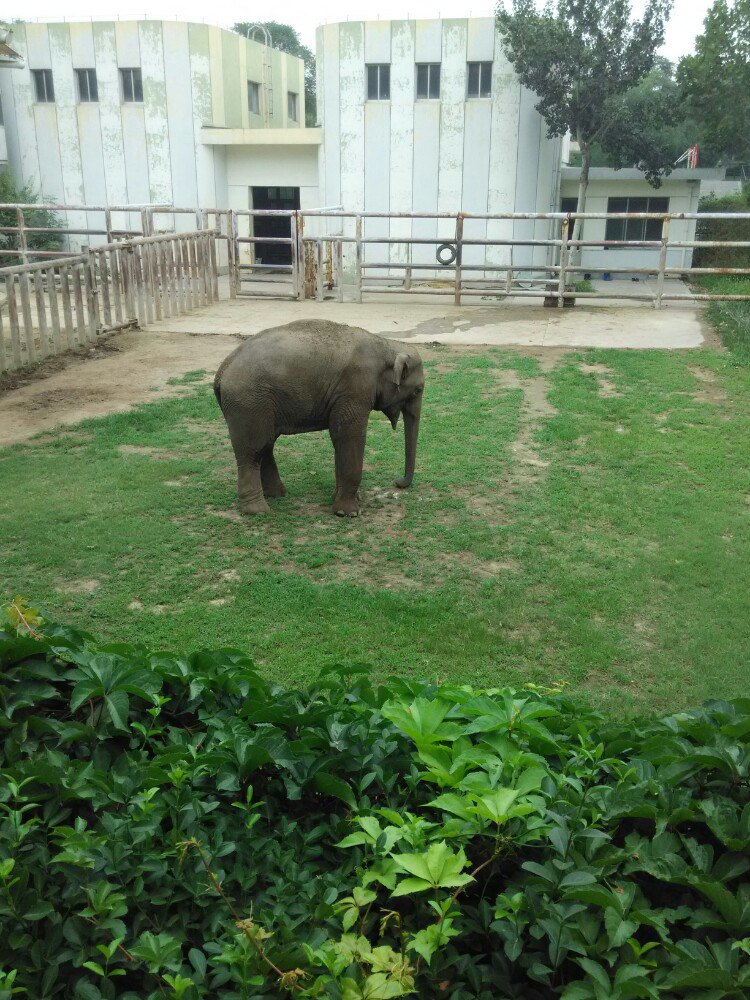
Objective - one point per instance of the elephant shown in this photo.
(313, 375)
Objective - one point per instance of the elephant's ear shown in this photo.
(400, 365)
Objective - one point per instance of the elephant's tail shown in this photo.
(217, 388)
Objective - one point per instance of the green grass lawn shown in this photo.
(590, 522)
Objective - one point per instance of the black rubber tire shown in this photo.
(451, 248)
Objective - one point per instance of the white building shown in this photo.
(153, 112)
(416, 117)
(429, 116)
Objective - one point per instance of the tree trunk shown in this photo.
(583, 183)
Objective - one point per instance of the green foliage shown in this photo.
(41, 218)
(286, 38)
(715, 81)
(730, 319)
(582, 59)
(724, 230)
(217, 835)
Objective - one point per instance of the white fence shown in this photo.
(63, 303)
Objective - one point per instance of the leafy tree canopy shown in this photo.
(286, 38)
(581, 58)
(715, 81)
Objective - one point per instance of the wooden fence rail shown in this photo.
(66, 303)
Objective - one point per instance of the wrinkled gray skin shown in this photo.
(314, 375)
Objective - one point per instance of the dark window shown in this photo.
(428, 81)
(379, 82)
(479, 82)
(291, 104)
(253, 97)
(88, 91)
(636, 230)
(45, 91)
(132, 86)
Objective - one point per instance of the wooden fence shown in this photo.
(65, 303)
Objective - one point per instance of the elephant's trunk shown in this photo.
(411, 433)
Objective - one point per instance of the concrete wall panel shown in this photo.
(452, 106)
(37, 47)
(402, 131)
(480, 42)
(377, 41)
(128, 44)
(428, 41)
(67, 123)
(110, 116)
(179, 107)
(82, 45)
(352, 134)
(155, 118)
(377, 182)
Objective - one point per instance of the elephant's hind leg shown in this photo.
(248, 453)
(250, 488)
(269, 474)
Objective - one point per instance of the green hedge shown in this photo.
(178, 826)
(729, 230)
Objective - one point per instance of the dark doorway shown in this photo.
(274, 198)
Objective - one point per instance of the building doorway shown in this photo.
(286, 198)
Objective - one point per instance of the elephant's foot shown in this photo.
(274, 491)
(346, 507)
(254, 506)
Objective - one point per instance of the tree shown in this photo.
(716, 80)
(286, 38)
(581, 58)
(41, 218)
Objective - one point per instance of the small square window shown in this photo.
(479, 79)
(88, 90)
(292, 104)
(428, 81)
(253, 97)
(132, 86)
(43, 86)
(379, 82)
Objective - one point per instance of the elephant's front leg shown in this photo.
(348, 438)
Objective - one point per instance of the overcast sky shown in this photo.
(686, 21)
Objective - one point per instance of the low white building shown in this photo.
(627, 190)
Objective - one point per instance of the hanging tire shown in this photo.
(446, 254)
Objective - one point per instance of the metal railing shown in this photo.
(553, 278)
(58, 305)
(521, 255)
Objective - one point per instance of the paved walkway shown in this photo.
(632, 325)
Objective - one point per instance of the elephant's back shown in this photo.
(303, 351)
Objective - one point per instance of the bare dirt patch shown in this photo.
(157, 454)
(79, 586)
(708, 391)
(535, 408)
(606, 387)
(131, 367)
